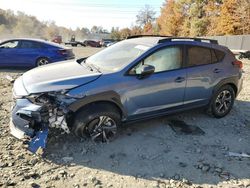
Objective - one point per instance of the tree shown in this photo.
(4, 32)
(243, 13)
(148, 29)
(124, 33)
(136, 30)
(212, 10)
(115, 34)
(97, 29)
(94, 29)
(85, 31)
(195, 19)
(171, 18)
(146, 15)
(227, 22)
(51, 31)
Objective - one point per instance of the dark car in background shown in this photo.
(74, 43)
(92, 43)
(57, 39)
(32, 52)
(105, 43)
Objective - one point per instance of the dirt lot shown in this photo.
(146, 154)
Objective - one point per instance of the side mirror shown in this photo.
(80, 60)
(146, 71)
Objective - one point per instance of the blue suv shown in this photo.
(137, 78)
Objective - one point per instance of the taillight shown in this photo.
(238, 64)
(62, 52)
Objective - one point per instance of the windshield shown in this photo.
(117, 56)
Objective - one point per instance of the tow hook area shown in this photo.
(37, 118)
(32, 118)
(38, 143)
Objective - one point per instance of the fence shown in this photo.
(234, 42)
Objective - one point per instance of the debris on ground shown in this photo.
(234, 154)
(180, 127)
(10, 78)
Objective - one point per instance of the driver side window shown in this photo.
(10, 44)
(169, 58)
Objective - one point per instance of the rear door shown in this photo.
(28, 52)
(204, 70)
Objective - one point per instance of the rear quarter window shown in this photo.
(220, 55)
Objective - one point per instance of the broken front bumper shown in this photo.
(26, 123)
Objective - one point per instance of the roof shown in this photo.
(29, 39)
(35, 40)
(153, 40)
(148, 41)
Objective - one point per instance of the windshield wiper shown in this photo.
(87, 65)
(95, 67)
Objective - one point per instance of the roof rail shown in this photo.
(139, 36)
(212, 41)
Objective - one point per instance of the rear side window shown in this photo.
(30, 44)
(203, 56)
(199, 56)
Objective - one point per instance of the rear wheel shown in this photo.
(100, 122)
(42, 61)
(222, 101)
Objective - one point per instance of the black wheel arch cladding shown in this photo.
(110, 97)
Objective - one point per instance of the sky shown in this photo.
(83, 13)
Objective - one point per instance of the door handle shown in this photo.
(179, 79)
(217, 70)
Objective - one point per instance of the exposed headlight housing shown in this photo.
(18, 90)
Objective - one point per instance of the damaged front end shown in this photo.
(33, 115)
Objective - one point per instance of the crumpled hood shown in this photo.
(58, 76)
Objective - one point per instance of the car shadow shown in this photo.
(14, 70)
(153, 150)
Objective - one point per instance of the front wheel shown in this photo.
(222, 101)
(99, 122)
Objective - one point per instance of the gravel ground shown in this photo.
(146, 154)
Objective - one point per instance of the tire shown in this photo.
(42, 61)
(100, 122)
(222, 101)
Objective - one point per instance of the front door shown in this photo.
(8, 52)
(163, 89)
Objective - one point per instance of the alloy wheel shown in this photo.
(42, 61)
(102, 128)
(223, 102)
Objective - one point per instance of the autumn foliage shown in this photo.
(177, 18)
(199, 18)
(204, 17)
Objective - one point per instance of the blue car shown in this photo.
(135, 79)
(32, 53)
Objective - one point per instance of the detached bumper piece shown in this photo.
(30, 122)
(38, 142)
